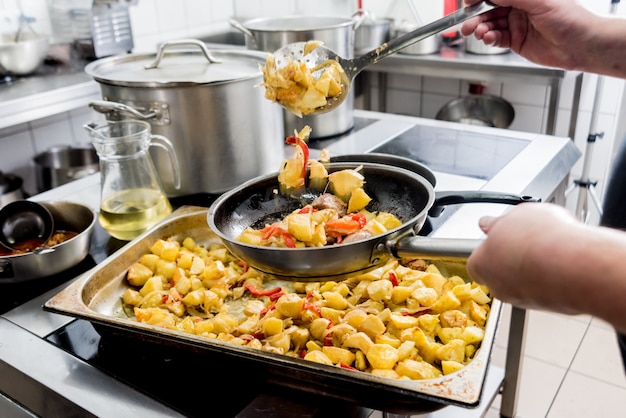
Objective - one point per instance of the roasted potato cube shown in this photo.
(473, 334)
(387, 373)
(299, 225)
(149, 260)
(154, 283)
(318, 357)
(335, 300)
(426, 296)
(131, 297)
(343, 182)
(382, 356)
(454, 350)
(272, 326)
(372, 326)
(404, 321)
(448, 301)
(290, 305)
(450, 366)
(380, 290)
(358, 200)
(165, 268)
(417, 370)
(318, 328)
(359, 340)
(339, 355)
(138, 274)
(453, 318)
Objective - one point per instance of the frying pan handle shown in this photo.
(443, 199)
(451, 249)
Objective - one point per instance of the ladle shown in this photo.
(322, 56)
(24, 221)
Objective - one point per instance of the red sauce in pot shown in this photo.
(32, 244)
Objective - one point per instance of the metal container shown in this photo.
(337, 33)
(10, 188)
(223, 130)
(96, 297)
(25, 56)
(427, 46)
(371, 33)
(474, 46)
(478, 109)
(67, 216)
(61, 164)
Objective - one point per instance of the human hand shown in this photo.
(522, 256)
(548, 32)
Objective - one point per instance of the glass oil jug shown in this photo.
(131, 197)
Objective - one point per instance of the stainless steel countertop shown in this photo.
(51, 375)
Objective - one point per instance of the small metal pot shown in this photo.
(427, 46)
(63, 164)
(474, 46)
(10, 188)
(371, 33)
(34, 265)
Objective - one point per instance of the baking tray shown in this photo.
(95, 296)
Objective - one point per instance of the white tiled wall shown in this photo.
(155, 21)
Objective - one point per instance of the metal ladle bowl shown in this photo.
(24, 220)
(320, 57)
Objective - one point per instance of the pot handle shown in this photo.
(443, 199)
(187, 42)
(105, 106)
(450, 249)
(235, 24)
(359, 17)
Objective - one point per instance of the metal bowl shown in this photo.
(25, 56)
(67, 216)
(483, 110)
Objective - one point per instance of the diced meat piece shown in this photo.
(417, 264)
(330, 201)
(357, 236)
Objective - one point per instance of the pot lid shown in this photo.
(178, 67)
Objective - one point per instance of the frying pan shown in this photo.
(407, 195)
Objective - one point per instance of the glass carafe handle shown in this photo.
(164, 143)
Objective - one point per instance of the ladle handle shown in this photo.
(422, 32)
(451, 249)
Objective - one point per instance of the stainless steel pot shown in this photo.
(474, 46)
(426, 46)
(371, 33)
(223, 130)
(34, 265)
(478, 109)
(10, 188)
(337, 33)
(62, 164)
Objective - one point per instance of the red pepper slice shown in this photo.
(294, 140)
(274, 229)
(345, 366)
(276, 296)
(393, 278)
(360, 218)
(258, 292)
(343, 226)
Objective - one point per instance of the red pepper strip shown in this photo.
(345, 366)
(164, 298)
(343, 226)
(360, 218)
(328, 339)
(393, 278)
(276, 296)
(277, 230)
(243, 264)
(264, 311)
(303, 353)
(309, 306)
(265, 292)
(306, 209)
(294, 140)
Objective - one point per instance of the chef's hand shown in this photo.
(556, 33)
(521, 256)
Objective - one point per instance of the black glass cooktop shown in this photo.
(455, 151)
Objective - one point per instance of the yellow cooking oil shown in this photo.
(128, 213)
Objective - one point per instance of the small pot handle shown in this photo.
(237, 25)
(187, 42)
(359, 17)
(443, 199)
(105, 106)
